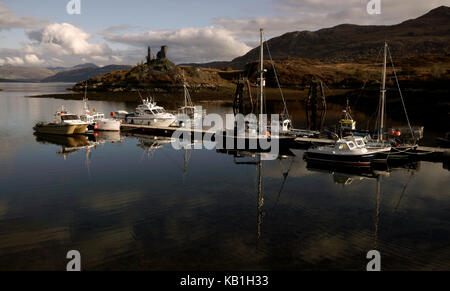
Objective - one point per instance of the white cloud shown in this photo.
(187, 44)
(15, 61)
(2, 62)
(66, 39)
(33, 59)
(9, 20)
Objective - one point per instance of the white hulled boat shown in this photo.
(97, 120)
(148, 113)
(348, 151)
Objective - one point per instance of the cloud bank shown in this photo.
(64, 44)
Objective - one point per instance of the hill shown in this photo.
(24, 73)
(83, 72)
(428, 34)
(161, 74)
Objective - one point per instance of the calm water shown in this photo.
(134, 203)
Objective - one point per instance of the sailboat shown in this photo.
(195, 113)
(258, 129)
(382, 136)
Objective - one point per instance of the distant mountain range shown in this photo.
(83, 72)
(23, 73)
(55, 74)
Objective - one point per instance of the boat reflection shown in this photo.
(108, 136)
(150, 143)
(346, 176)
(254, 158)
(69, 144)
(74, 143)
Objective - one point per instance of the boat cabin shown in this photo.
(350, 144)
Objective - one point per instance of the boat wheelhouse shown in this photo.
(349, 151)
(148, 113)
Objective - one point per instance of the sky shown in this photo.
(43, 33)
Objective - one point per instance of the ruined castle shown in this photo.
(162, 54)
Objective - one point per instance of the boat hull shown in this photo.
(160, 122)
(59, 129)
(346, 160)
(80, 129)
(108, 125)
(258, 142)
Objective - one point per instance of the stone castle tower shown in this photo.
(162, 54)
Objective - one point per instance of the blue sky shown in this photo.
(43, 33)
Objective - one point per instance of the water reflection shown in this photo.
(205, 210)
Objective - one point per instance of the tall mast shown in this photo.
(185, 89)
(85, 96)
(261, 77)
(383, 94)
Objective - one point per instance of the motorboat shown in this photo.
(65, 117)
(347, 124)
(54, 128)
(97, 120)
(65, 123)
(148, 113)
(348, 151)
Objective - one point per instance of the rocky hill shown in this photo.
(160, 74)
(428, 34)
(344, 56)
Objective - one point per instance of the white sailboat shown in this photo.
(195, 113)
(260, 129)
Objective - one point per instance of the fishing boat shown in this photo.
(97, 120)
(148, 113)
(55, 128)
(347, 124)
(65, 123)
(348, 151)
(65, 117)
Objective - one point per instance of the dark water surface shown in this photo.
(133, 203)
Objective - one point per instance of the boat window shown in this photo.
(351, 145)
(69, 117)
(343, 146)
(148, 111)
(360, 142)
